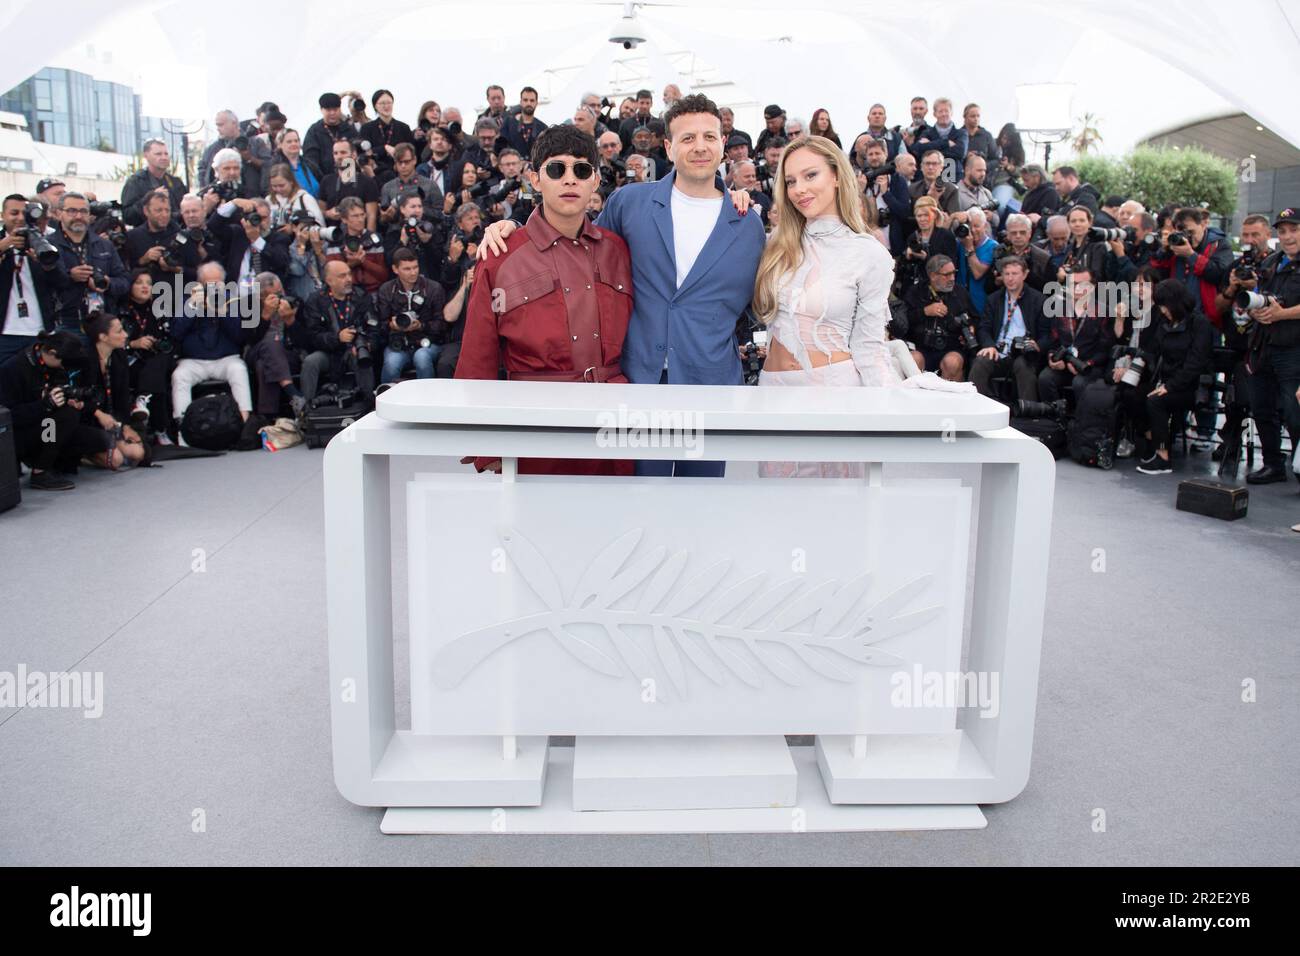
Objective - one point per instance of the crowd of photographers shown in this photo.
(341, 256)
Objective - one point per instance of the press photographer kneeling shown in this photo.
(1181, 353)
(1081, 340)
(342, 332)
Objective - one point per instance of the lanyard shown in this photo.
(344, 316)
(1012, 305)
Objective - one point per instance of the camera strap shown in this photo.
(342, 316)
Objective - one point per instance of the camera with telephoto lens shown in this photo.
(35, 240)
(872, 173)
(1146, 242)
(964, 330)
(98, 279)
(163, 340)
(1028, 409)
(1247, 300)
(366, 331)
(186, 238)
(362, 148)
(409, 339)
(367, 242)
(1105, 234)
(961, 230)
(253, 218)
(100, 209)
(503, 189)
(76, 393)
(1132, 361)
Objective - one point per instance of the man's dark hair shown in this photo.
(564, 140)
(693, 103)
(1194, 213)
(1149, 221)
(1254, 219)
(1067, 171)
(777, 142)
(67, 346)
(919, 99)
(1012, 261)
(404, 255)
(15, 197)
(152, 197)
(644, 95)
(494, 86)
(529, 89)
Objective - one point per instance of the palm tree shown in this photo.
(1088, 136)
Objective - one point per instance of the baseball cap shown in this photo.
(772, 111)
(1289, 214)
(45, 184)
(735, 139)
(330, 101)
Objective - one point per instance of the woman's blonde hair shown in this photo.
(926, 202)
(784, 249)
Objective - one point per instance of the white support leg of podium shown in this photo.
(678, 709)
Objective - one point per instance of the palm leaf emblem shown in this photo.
(724, 632)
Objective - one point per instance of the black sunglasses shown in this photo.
(556, 169)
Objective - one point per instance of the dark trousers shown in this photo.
(1020, 367)
(60, 440)
(151, 374)
(1052, 382)
(332, 366)
(1154, 413)
(1274, 383)
(680, 469)
(446, 364)
(272, 363)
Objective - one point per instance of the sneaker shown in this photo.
(49, 481)
(162, 439)
(1125, 449)
(1266, 475)
(1155, 465)
(140, 412)
(1201, 444)
(298, 404)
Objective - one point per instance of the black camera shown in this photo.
(253, 218)
(226, 191)
(961, 230)
(1179, 239)
(301, 217)
(875, 172)
(79, 393)
(413, 227)
(366, 241)
(241, 144)
(1244, 268)
(1028, 409)
(410, 338)
(1064, 353)
(503, 189)
(916, 244)
(35, 239)
(964, 330)
(98, 279)
(100, 209)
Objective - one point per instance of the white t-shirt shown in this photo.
(693, 222)
(33, 323)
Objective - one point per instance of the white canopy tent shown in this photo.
(1137, 66)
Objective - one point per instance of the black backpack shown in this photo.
(1047, 430)
(212, 422)
(1092, 433)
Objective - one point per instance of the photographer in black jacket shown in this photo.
(151, 355)
(1184, 341)
(417, 234)
(1274, 360)
(148, 245)
(1013, 333)
(90, 276)
(410, 307)
(941, 320)
(341, 332)
(318, 144)
(1081, 339)
(153, 178)
(49, 434)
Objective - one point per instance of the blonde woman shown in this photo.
(822, 287)
(823, 282)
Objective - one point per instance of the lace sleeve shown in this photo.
(871, 315)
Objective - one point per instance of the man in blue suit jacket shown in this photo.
(694, 259)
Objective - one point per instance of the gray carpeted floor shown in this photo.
(215, 688)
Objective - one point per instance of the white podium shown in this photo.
(679, 628)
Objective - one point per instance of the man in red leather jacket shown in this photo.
(555, 307)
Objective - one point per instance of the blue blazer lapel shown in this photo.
(719, 241)
(662, 213)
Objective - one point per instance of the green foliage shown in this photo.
(1156, 176)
